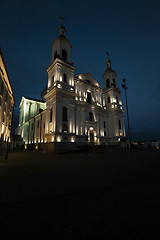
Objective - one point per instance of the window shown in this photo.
(89, 97)
(64, 127)
(120, 125)
(88, 81)
(55, 55)
(38, 124)
(107, 83)
(64, 55)
(6, 96)
(65, 119)
(114, 82)
(117, 99)
(109, 100)
(64, 78)
(64, 114)
(2, 88)
(53, 78)
(104, 124)
(9, 104)
(105, 134)
(91, 116)
(32, 126)
(51, 115)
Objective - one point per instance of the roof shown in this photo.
(61, 38)
(33, 99)
(86, 77)
(109, 70)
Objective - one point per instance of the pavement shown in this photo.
(98, 195)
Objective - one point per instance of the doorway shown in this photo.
(91, 136)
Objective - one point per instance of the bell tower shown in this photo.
(61, 68)
(61, 47)
(60, 93)
(112, 102)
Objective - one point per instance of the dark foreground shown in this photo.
(77, 196)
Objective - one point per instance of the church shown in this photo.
(75, 110)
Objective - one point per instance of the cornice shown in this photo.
(62, 63)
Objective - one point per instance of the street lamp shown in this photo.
(125, 88)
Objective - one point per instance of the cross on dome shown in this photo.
(62, 19)
(108, 61)
(61, 29)
(107, 55)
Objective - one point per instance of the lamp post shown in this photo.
(125, 88)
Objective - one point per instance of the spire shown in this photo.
(108, 61)
(61, 29)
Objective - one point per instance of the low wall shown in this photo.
(64, 146)
(52, 146)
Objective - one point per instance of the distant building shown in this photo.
(30, 110)
(17, 142)
(77, 111)
(6, 106)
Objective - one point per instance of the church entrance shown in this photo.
(91, 136)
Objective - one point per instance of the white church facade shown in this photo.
(74, 109)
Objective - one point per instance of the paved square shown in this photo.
(101, 195)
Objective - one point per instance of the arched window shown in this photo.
(117, 99)
(107, 83)
(114, 82)
(51, 115)
(91, 116)
(64, 114)
(2, 89)
(53, 78)
(89, 97)
(109, 100)
(55, 55)
(6, 98)
(3, 117)
(64, 78)
(120, 127)
(64, 55)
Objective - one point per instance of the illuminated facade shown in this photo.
(6, 106)
(78, 110)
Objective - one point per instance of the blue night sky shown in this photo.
(128, 30)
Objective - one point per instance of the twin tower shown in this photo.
(75, 109)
